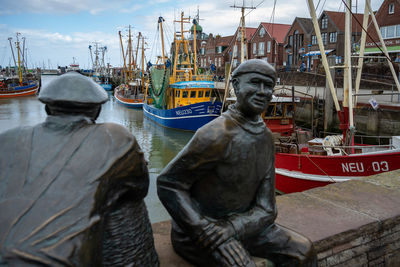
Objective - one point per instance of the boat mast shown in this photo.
(130, 55)
(243, 39)
(123, 54)
(160, 21)
(194, 46)
(178, 43)
(137, 50)
(12, 51)
(19, 62)
(142, 76)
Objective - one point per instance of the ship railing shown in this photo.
(181, 77)
(365, 139)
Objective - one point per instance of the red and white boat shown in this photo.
(310, 163)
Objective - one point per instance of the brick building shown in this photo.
(297, 42)
(213, 55)
(268, 42)
(332, 25)
(234, 47)
(388, 18)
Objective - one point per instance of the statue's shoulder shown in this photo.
(118, 134)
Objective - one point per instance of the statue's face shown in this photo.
(254, 93)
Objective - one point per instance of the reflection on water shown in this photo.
(159, 144)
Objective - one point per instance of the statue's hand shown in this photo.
(232, 254)
(214, 234)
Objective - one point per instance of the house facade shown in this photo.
(212, 54)
(297, 43)
(332, 26)
(268, 42)
(388, 18)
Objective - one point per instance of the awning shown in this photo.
(317, 53)
(376, 50)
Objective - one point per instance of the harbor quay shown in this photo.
(354, 223)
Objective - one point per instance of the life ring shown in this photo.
(1, 84)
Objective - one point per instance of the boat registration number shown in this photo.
(183, 112)
(381, 166)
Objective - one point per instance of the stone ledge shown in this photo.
(345, 221)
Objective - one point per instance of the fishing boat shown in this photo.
(181, 97)
(23, 83)
(131, 93)
(100, 73)
(306, 162)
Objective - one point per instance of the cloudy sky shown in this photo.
(57, 31)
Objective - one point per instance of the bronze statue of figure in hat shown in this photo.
(71, 190)
(220, 189)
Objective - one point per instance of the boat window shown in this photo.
(192, 94)
(176, 93)
(179, 93)
(270, 111)
(200, 94)
(278, 111)
(289, 111)
(207, 93)
(185, 94)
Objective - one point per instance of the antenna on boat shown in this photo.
(243, 39)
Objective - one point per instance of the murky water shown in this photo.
(159, 144)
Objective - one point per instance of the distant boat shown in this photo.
(186, 100)
(22, 84)
(100, 73)
(131, 92)
(74, 66)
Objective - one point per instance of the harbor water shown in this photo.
(159, 144)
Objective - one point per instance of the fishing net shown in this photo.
(159, 81)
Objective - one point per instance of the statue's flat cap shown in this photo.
(255, 66)
(74, 88)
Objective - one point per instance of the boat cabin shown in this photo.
(188, 93)
(279, 115)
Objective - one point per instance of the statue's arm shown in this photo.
(264, 211)
(176, 180)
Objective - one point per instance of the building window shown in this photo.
(324, 22)
(391, 8)
(269, 47)
(262, 32)
(333, 37)
(398, 30)
(275, 46)
(324, 36)
(216, 62)
(219, 49)
(291, 40)
(254, 48)
(390, 31)
(219, 62)
(235, 50)
(383, 32)
(314, 39)
(202, 51)
(261, 48)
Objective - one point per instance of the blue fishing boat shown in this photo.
(181, 98)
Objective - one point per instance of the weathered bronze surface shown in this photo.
(71, 191)
(219, 190)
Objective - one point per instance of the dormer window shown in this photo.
(324, 22)
(262, 32)
(391, 8)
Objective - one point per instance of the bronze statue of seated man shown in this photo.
(71, 190)
(219, 190)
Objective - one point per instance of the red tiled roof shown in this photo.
(250, 32)
(339, 19)
(276, 30)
